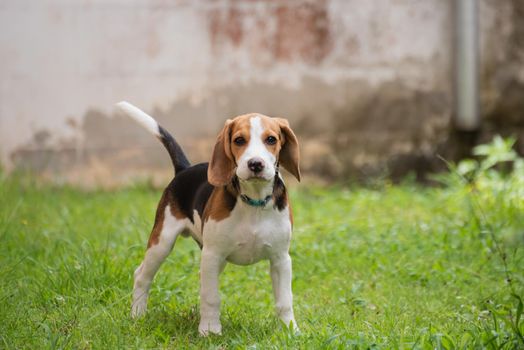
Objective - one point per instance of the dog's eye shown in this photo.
(271, 140)
(239, 141)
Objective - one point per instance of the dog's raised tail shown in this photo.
(178, 157)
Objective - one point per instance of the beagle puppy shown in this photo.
(236, 208)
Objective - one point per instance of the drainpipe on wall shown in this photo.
(466, 114)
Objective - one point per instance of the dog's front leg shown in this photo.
(210, 267)
(281, 277)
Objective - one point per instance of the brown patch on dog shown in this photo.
(220, 204)
(221, 167)
(166, 199)
(159, 221)
(241, 128)
(272, 128)
(287, 145)
(226, 152)
(289, 154)
(175, 210)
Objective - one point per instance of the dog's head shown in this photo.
(251, 146)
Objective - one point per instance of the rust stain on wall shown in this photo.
(225, 25)
(291, 31)
(302, 32)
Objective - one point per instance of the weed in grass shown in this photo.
(393, 266)
(496, 177)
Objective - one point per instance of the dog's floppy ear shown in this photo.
(222, 166)
(289, 154)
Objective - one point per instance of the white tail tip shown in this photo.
(140, 117)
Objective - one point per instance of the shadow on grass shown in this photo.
(180, 325)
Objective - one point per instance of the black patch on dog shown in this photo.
(201, 198)
(191, 190)
(279, 194)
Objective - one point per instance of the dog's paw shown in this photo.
(208, 327)
(138, 308)
(296, 330)
(291, 326)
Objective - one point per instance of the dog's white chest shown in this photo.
(249, 234)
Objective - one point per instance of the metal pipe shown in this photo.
(466, 114)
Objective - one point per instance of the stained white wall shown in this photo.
(60, 59)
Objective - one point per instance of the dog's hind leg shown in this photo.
(165, 231)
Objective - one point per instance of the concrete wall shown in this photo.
(365, 83)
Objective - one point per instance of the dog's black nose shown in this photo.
(256, 165)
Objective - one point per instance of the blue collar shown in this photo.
(259, 203)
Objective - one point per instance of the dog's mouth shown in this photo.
(257, 178)
(248, 175)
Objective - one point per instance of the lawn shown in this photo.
(377, 266)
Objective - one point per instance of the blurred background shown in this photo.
(371, 87)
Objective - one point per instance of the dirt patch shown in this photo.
(344, 132)
(393, 131)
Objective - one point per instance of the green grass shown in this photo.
(393, 266)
